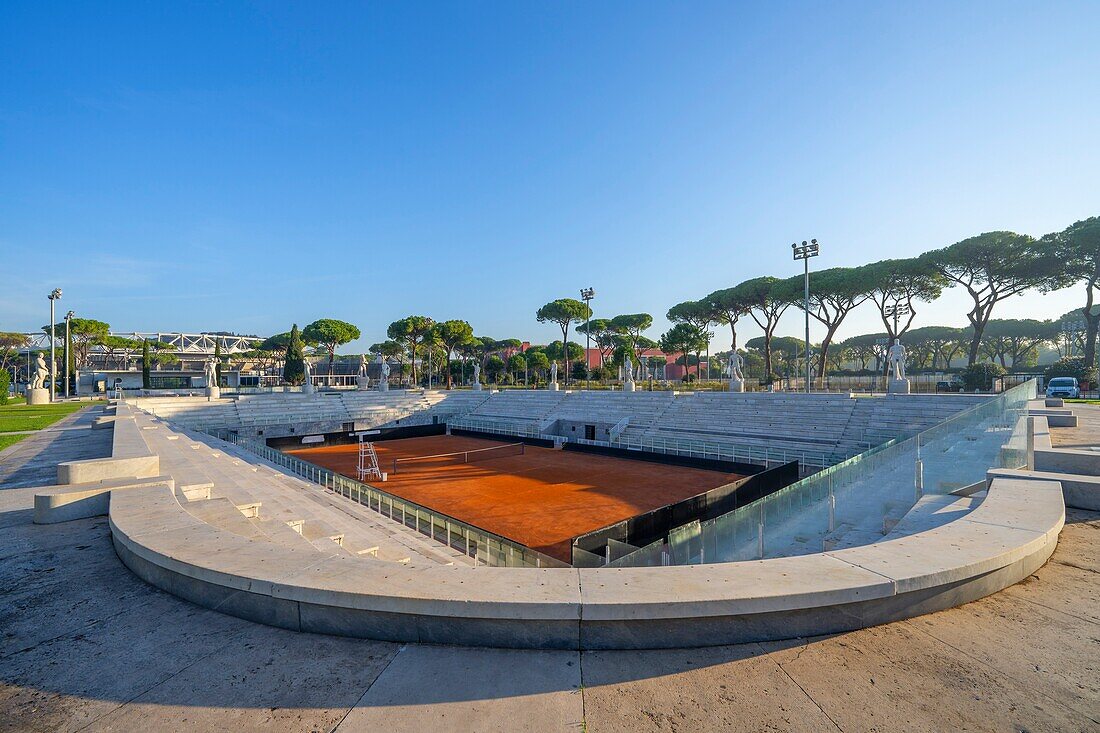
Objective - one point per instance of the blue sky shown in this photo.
(226, 166)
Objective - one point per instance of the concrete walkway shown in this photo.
(85, 645)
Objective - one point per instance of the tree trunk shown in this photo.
(768, 355)
(825, 344)
(1092, 325)
(565, 350)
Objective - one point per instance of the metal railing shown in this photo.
(500, 428)
(807, 459)
(618, 428)
(486, 548)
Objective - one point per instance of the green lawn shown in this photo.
(6, 440)
(17, 416)
(1084, 402)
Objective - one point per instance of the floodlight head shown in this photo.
(56, 294)
(69, 315)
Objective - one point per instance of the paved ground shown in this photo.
(1087, 432)
(541, 499)
(85, 645)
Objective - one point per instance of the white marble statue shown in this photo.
(477, 373)
(629, 374)
(210, 372)
(41, 372)
(307, 385)
(361, 379)
(384, 380)
(895, 357)
(554, 373)
(733, 367)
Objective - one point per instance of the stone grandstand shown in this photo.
(817, 430)
(224, 486)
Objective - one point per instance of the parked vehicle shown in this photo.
(1064, 387)
(952, 385)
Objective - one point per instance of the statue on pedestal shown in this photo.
(477, 377)
(41, 372)
(307, 386)
(628, 383)
(895, 359)
(733, 371)
(554, 373)
(384, 382)
(210, 373)
(362, 380)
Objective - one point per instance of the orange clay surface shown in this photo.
(541, 499)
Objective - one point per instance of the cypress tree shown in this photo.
(218, 360)
(146, 362)
(294, 366)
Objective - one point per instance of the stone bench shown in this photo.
(54, 504)
(130, 456)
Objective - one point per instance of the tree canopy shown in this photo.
(453, 334)
(411, 330)
(833, 295)
(766, 299)
(1078, 249)
(329, 334)
(994, 266)
(564, 312)
(900, 284)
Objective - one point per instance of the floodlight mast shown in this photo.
(53, 296)
(804, 252)
(587, 294)
(895, 311)
(68, 348)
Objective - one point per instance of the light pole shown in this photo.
(68, 349)
(587, 294)
(804, 252)
(896, 311)
(55, 295)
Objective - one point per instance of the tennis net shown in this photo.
(467, 456)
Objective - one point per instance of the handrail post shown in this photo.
(1030, 465)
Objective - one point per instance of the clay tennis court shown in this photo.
(541, 499)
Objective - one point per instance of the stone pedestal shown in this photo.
(38, 396)
(629, 386)
(736, 385)
(477, 386)
(553, 387)
(308, 388)
(363, 383)
(384, 386)
(898, 386)
(213, 393)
